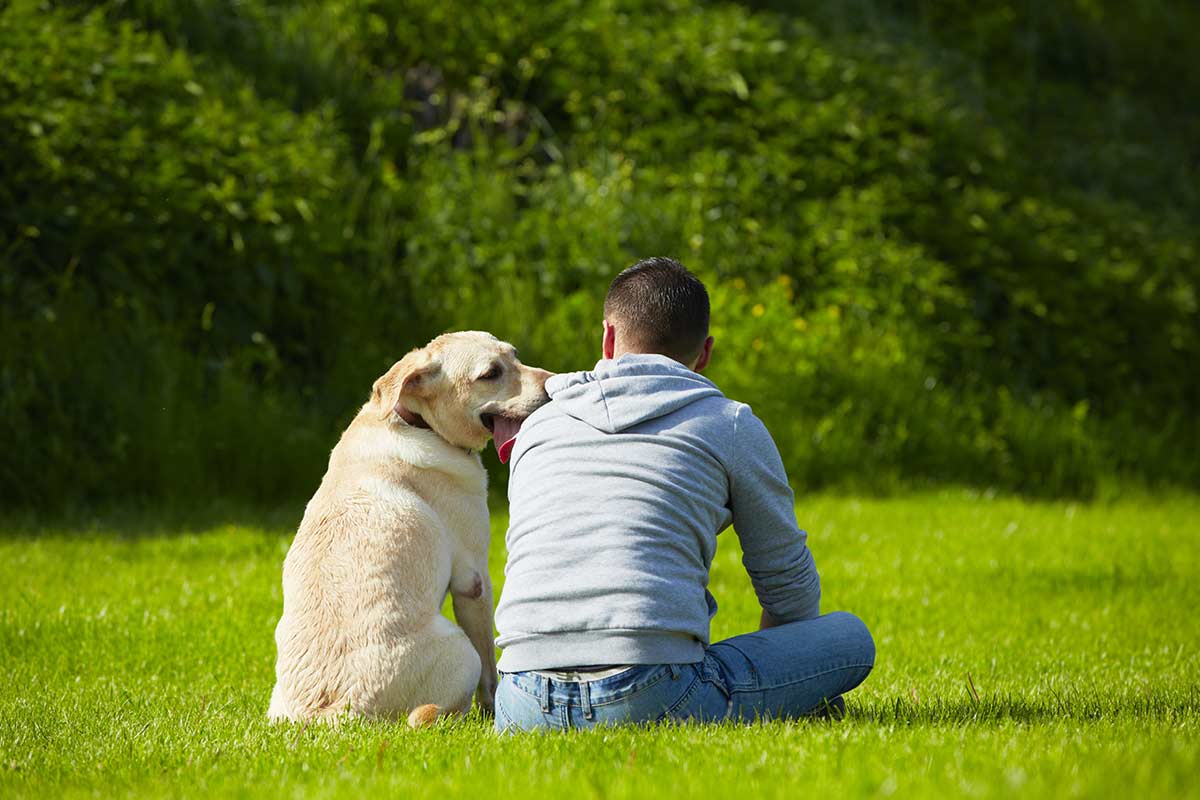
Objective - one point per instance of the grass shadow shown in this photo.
(146, 520)
(1080, 706)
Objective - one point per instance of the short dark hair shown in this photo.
(661, 307)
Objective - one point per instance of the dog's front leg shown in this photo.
(471, 590)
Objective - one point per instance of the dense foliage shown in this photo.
(942, 246)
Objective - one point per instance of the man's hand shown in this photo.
(768, 621)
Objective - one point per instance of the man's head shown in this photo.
(658, 306)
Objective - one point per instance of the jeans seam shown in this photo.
(807, 678)
(635, 692)
(525, 691)
(502, 714)
(624, 697)
(611, 700)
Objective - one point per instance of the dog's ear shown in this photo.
(408, 377)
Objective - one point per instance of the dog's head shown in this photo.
(462, 385)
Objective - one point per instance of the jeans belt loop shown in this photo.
(674, 671)
(544, 691)
(585, 696)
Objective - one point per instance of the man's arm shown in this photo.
(774, 549)
(767, 621)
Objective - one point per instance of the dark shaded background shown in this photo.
(946, 241)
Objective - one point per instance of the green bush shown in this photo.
(220, 221)
(161, 243)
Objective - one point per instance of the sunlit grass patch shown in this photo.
(1035, 648)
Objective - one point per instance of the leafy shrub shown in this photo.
(159, 241)
(221, 220)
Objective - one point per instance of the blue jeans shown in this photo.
(793, 670)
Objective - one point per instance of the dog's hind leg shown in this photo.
(440, 674)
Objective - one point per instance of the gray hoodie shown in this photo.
(618, 489)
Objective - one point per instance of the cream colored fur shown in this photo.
(399, 520)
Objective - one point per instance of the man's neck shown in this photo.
(617, 354)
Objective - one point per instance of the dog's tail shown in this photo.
(426, 715)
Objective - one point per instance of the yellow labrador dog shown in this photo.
(399, 520)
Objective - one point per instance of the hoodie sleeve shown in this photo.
(775, 550)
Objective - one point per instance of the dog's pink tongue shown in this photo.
(504, 434)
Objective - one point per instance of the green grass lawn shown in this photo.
(138, 660)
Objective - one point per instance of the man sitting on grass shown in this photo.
(618, 489)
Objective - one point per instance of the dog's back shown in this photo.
(361, 576)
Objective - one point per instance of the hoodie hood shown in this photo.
(627, 391)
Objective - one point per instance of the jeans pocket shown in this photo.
(707, 699)
(645, 695)
(517, 709)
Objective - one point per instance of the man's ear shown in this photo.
(705, 355)
(608, 344)
(408, 377)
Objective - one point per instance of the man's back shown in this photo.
(618, 490)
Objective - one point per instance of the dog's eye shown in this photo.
(494, 372)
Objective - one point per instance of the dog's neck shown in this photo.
(415, 420)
